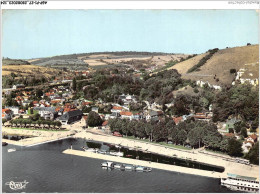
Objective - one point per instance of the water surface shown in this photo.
(48, 170)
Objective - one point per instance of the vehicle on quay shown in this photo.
(102, 151)
(94, 150)
(240, 183)
(242, 161)
(113, 153)
(117, 134)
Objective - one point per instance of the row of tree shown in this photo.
(27, 123)
(191, 132)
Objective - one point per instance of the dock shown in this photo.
(154, 165)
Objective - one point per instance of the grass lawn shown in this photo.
(217, 152)
(159, 143)
(52, 130)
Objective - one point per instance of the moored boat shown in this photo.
(4, 144)
(107, 164)
(139, 168)
(129, 167)
(11, 150)
(147, 169)
(143, 169)
(118, 166)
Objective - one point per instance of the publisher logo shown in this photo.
(17, 185)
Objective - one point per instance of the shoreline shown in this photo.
(155, 165)
(95, 135)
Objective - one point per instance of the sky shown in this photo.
(28, 34)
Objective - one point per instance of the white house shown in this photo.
(14, 109)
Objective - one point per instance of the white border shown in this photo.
(137, 5)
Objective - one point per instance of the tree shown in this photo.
(244, 132)
(234, 147)
(74, 84)
(38, 93)
(181, 136)
(58, 123)
(94, 119)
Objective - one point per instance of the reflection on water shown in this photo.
(153, 157)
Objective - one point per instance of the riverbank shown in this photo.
(145, 163)
(197, 155)
(39, 137)
(193, 155)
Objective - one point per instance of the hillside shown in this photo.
(219, 65)
(107, 59)
(28, 70)
(14, 62)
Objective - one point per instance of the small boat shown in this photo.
(118, 166)
(107, 164)
(129, 155)
(129, 167)
(4, 144)
(147, 169)
(139, 168)
(121, 154)
(11, 150)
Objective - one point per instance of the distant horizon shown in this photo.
(3, 57)
(32, 34)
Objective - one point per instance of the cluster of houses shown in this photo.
(202, 83)
(248, 74)
(249, 142)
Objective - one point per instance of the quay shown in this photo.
(154, 165)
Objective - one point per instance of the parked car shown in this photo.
(117, 134)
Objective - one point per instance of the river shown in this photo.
(47, 170)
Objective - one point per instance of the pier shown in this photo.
(154, 165)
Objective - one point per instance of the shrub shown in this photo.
(233, 71)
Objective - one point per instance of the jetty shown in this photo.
(153, 165)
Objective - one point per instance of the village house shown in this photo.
(94, 109)
(203, 116)
(7, 114)
(249, 143)
(151, 115)
(71, 117)
(137, 116)
(126, 115)
(116, 109)
(18, 86)
(177, 120)
(14, 109)
(248, 74)
(105, 125)
(26, 102)
(46, 112)
(114, 115)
